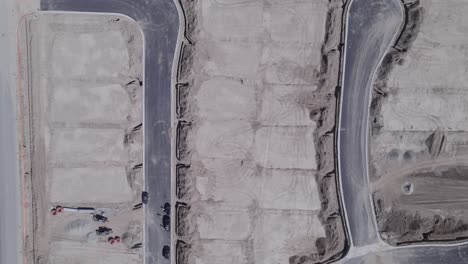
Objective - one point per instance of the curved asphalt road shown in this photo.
(160, 23)
(371, 27)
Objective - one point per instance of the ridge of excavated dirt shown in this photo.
(335, 246)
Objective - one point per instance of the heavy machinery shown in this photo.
(103, 231)
(100, 218)
(113, 240)
(59, 209)
(55, 210)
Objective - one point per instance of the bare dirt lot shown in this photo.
(255, 140)
(81, 103)
(420, 134)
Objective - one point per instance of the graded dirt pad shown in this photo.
(419, 131)
(81, 103)
(69, 184)
(65, 251)
(256, 109)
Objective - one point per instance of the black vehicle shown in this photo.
(103, 231)
(100, 218)
(167, 208)
(144, 197)
(166, 252)
(166, 222)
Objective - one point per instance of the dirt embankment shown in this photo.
(334, 246)
(321, 105)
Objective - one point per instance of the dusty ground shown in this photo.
(420, 130)
(81, 102)
(256, 109)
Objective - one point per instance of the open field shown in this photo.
(420, 134)
(255, 140)
(81, 101)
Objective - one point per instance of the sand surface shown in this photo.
(80, 105)
(256, 107)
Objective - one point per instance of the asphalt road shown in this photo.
(10, 213)
(160, 23)
(371, 27)
(415, 255)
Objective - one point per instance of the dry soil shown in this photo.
(81, 107)
(255, 177)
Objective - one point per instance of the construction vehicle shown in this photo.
(103, 231)
(81, 210)
(59, 209)
(114, 240)
(100, 218)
